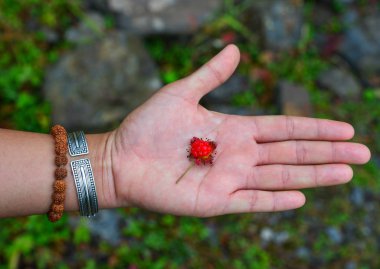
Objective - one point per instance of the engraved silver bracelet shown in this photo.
(83, 175)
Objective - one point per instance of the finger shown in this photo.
(210, 75)
(290, 177)
(281, 128)
(244, 201)
(312, 152)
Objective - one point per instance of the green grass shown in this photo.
(163, 241)
(24, 55)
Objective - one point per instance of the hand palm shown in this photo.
(154, 138)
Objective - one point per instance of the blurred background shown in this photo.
(87, 64)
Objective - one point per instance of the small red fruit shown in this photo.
(201, 151)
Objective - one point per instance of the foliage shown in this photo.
(163, 241)
(24, 54)
(25, 51)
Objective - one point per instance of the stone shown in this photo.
(162, 16)
(281, 237)
(357, 196)
(106, 225)
(278, 21)
(96, 85)
(341, 82)
(50, 35)
(345, 2)
(351, 265)
(335, 235)
(90, 28)
(294, 100)
(376, 159)
(267, 234)
(303, 253)
(360, 45)
(221, 98)
(225, 93)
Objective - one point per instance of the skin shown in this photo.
(261, 163)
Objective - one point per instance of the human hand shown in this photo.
(260, 165)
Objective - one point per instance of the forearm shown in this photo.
(27, 173)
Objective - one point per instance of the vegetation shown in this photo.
(162, 241)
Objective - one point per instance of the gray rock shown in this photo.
(345, 3)
(90, 28)
(224, 93)
(350, 16)
(351, 265)
(341, 82)
(50, 35)
(361, 45)
(105, 225)
(376, 159)
(335, 235)
(95, 86)
(303, 253)
(279, 21)
(281, 237)
(163, 16)
(267, 235)
(294, 100)
(357, 196)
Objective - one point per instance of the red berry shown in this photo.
(202, 150)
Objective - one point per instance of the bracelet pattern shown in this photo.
(83, 175)
(85, 185)
(77, 143)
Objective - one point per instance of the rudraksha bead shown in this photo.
(54, 216)
(60, 173)
(61, 138)
(60, 148)
(58, 208)
(61, 160)
(58, 197)
(59, 185)
(57, 129)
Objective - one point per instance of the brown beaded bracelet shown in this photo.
(58, 198)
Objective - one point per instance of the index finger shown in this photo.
(282, 128)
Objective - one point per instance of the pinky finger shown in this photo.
(246, 201)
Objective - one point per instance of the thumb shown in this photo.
(211, 75)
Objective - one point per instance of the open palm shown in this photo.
(260, 163)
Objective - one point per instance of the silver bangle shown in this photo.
(77, 143)
(85, 185)
(83, 175)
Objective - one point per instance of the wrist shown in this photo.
(128, 167)
(100, 149)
